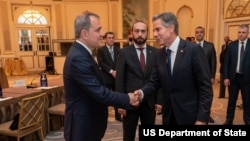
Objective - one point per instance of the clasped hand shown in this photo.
(135, 98)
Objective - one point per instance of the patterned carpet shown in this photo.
(114, 130)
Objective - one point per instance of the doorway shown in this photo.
(33, 37)
(33, 46)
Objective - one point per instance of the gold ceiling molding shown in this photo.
(236, 8)
(85, 0)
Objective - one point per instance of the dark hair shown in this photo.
(188, 39)
(139, 21)
(106, 34)
(200, 27)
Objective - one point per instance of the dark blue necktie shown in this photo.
(169, 62)
(241, 57)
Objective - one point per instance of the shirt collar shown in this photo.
(243, 41)
(90, 51)
(136, 46)
(201, 42)
(108, 46)
(174, 46)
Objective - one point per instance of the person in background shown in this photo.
(222, 57)
(188, 39)
(182, 71)
(106, 58)
(209, 49)
(86, 98)
(134, 66)
(237, 74)
(193, 39)
(130, 40)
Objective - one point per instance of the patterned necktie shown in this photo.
(142, 59)
(169, 62)
(241, 57)
(199, 43)
(111, 52)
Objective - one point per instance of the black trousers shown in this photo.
(239, 85)
(222, 86)
(117, 114)
(144, 113)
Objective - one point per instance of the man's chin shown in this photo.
(160, 43)
(140, 43)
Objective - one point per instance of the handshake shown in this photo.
(135, 97)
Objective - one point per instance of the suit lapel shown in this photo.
(91, 59)
(116, 51)
(106, 50)
(162, 65)
(246, 49)
(149, 60)
(234, 52)
(205, 47)
(136, 60)
(178, 59)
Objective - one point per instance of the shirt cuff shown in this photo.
(111, 71)
(142, 95)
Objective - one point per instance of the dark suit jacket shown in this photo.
(209, 50)
(86, 97)
(222, 57)
(129, 75)
(231, 61)
(106, 63)
(189, 92)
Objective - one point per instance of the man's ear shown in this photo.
(85, 33)
(172, 28)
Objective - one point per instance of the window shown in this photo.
(32, 17)
(238, 8)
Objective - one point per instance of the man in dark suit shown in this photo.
(86, 98)
(134, 66)
(182, 72)
(237, 74)
(130, 40)
(106, 57)
(208, 48)
(222, 58)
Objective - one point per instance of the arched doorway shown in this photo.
(33, 36)
(185, 15)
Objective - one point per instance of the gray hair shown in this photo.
(168, 18)
(83, 22)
